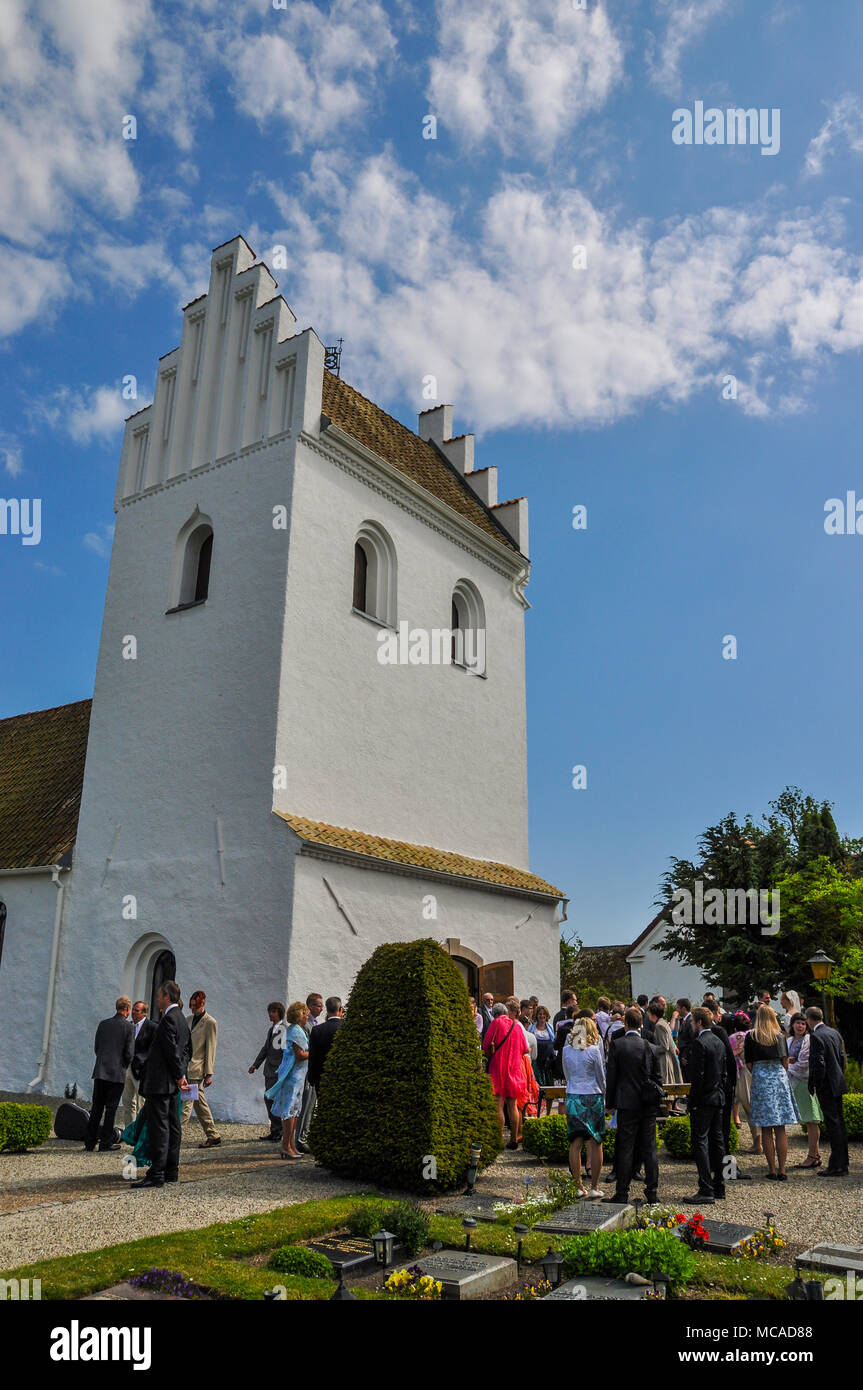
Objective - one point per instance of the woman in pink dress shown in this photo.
(506, 1046)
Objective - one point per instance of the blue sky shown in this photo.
(600, 386)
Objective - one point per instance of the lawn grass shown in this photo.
(217, 1257)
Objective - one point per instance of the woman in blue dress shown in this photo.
(771, 1102)
(286, 1092)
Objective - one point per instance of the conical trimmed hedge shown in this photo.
(403, 1082)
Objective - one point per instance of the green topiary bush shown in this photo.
(403, 1094)
(298, 1259)
(677, 1138)
(623, 1252)
(852, 1109)
(23, 1126)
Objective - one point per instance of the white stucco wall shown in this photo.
(326, 955)
(653, 973)
(31, 902)
(427, 754)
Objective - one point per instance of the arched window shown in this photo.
(193, 558)
(375, 574)
(467, 623)
(164, 968)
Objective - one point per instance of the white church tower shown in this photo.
(266, 798)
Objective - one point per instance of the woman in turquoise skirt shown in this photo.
(798, 1073)
(771, 1104)
(286, 1092)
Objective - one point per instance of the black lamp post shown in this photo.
(637, 1202)
(382, 1242)
(468, 1225)
(521, 1232)
(552, 1264)
(661, 1281)
(473, 1168)
(342, 1293)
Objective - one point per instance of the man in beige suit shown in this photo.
(204, 1031)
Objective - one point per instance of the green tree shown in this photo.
(569, 949)
(795, 848)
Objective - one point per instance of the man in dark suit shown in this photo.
(646, 1021)
(716, 1027)
(685, 1035)
(114, 1045)
(827, 1082)
(271, 1055)
(706, 1075)
(165, 1074)
(144, 1030)
(486, 1006)
(633, 1064)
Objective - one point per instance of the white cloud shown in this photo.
(312, 71)
(521, 76)
(100, 541)
(685, 24)
(11, 455)
(514, 335)
(86, 414)
(30, 287)
(49, 569)
(844, 122)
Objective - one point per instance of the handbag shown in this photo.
(493, 1049)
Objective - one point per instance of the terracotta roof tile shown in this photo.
(398, 445)
(41, 774)
(419, 856)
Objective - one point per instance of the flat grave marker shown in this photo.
(590, 1287)
(465, 1274)
(725, 1236)
(351, 1254)
(833, 1259)
(586, 1216)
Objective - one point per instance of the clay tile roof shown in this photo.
(419, 856)
(398, 445)
(41, 775)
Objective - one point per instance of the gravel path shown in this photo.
(58, 1200)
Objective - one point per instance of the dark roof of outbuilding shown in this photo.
(42, 758)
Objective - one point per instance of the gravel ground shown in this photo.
(59, 1200)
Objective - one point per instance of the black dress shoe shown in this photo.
(108, 1148)
(148, 1182)
(833, 1173)
(699, 1200)
(175, 1178)
(89, 1148)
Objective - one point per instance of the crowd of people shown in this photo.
(621, 1064)
(618, 1066)
(160, 1071)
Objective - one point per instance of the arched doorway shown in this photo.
(164, 968)
(149, 963)
(480, 977)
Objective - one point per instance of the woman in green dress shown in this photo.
(798, 1075)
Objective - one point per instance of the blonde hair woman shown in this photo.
(584, 1068)
(286, 1092)
(771, 1103)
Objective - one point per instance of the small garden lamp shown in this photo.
(382, 1241)
(552, 1265)
(521, 1232)
(469, 1224)
(637, 1202)
(473, 1168)
(660, 1281)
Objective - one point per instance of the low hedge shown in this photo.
(618, 1253)
(546, 1136)
(677, 1137)
(852, 1109)
(406, 1220)
(23, 1126)
(297, 1259)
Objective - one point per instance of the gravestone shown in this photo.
(351, 1254)
(833, 1259)
(725, 1236)
(466, 1275)
(480, 1208)
(586, 1216)
(590, 1287)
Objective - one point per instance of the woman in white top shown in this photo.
(584, 1069)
